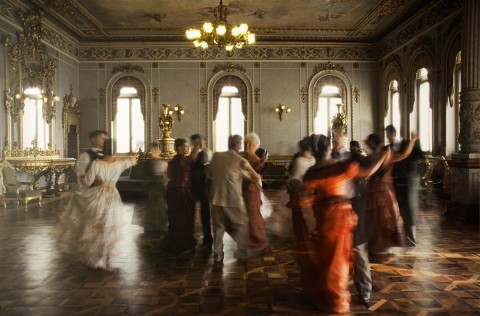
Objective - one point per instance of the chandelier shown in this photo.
(221, 33)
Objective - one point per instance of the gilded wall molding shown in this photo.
(256, 94)
(127, 68)
(328, 67)
(356, 94)
(228, 67)
(155, 95)
(304, 94)
(203, 95)
(246, 53)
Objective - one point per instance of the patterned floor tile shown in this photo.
(441, 276)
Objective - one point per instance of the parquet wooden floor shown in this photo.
(441, 276)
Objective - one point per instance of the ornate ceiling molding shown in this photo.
(436, 14)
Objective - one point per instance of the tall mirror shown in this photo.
(29, 99)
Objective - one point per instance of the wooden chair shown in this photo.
(438, 185)
(12, 188)
(424, 171)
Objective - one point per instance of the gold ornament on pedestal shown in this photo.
(165, 122)
(339, 121)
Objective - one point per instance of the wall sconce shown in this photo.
(50, 96)
(280, 109)
(178, 110)
(22, 98)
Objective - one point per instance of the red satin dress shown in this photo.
(325, 254)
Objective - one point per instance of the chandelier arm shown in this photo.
(220, 33)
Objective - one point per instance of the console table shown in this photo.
(51, 168)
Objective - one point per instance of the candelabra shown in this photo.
(281, 109)
(165, 122)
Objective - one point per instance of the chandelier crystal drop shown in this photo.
(220, 33)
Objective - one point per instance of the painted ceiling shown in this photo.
(271, 20)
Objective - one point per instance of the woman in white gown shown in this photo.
(92, 234)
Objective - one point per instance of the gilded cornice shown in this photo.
(59, 42)
(11, 12)
(6, 9)
(417, 26)
(384, 9)
(246, 53)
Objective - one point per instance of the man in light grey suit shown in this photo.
(226, 173)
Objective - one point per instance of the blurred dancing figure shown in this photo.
(362, 277)
(280, 221)
(406, 182)
(252, 196)
(339, 148)
(96, 238)
(71, 219)
(181, 205)
(199, 186)
(384, 221)
(226, 172)
(326, 249)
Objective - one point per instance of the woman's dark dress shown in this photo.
(180, 205)
(385, 227)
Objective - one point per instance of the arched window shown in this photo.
(36, 130)
(128, 125)
(421, 116)
(453, 109)
(329, 103)
(229, 118)
(393, 100)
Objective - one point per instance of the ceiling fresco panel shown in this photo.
(282, 20)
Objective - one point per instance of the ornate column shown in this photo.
(465, 171)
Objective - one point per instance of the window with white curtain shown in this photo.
(230, 119)
(453, 110)
(393, 114)
(129, 124)
(327, 108)
(421, 116)
(35, 127)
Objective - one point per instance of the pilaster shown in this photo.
(465, 165)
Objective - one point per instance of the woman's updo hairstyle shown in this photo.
(304, 145)
(323, 146)
(179, 142)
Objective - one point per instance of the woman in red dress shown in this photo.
(385, 227)
(325, 254)
(180, 201)
(252, 196)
